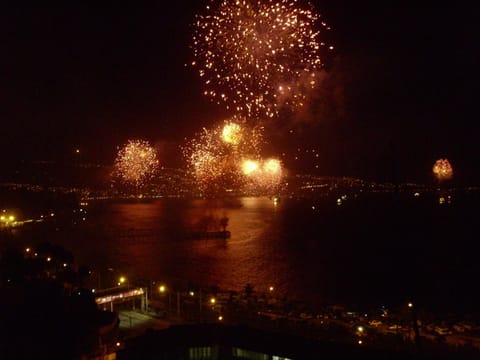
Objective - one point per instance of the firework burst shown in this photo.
(214, 156)
(250, 167)
(442, 169)
(136, 162)
(258, 57)
(232, 133)
(263, 176)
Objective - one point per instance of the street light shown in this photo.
(122, 280)
(162, 289)
(416, 329)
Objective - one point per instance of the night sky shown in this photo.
(398, 91)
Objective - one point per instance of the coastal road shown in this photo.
(134, 323)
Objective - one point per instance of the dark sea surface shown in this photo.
(373, 249)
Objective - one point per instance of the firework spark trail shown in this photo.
(136, 162)
(213, 156)
(263, 176)
(258, 57)
(232, 133)
(443, 169)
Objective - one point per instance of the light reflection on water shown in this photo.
(150, 240)
(367, 250)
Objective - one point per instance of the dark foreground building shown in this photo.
(215, 341)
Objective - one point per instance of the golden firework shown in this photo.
(249, 166)
(136, 162)
(263, 176)
(257, 57)
(213, 157)
(442, 169)
(232, 133)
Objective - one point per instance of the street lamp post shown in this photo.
(200, 303)
(145, 300)
(163, 289)
(416, 329)
(178, 303)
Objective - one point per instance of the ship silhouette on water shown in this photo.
(209, 234)
(210, 227)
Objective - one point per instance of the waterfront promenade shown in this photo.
(333, 324)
